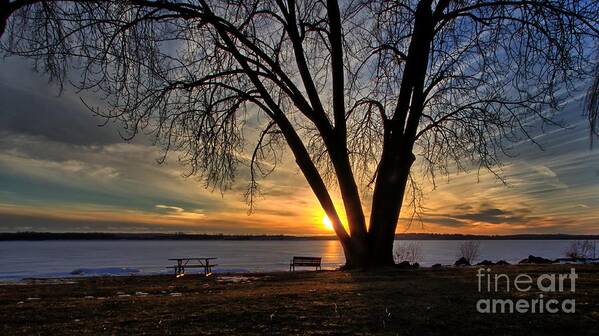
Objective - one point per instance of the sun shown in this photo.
(327, 223)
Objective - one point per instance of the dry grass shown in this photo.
(414, 302)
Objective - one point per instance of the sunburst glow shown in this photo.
(327, 223)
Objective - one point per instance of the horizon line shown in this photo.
(70, 235)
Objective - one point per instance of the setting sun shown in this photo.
(327, 223)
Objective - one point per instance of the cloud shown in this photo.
(60, 119)
(494, 216)
(169, 208)
(544, 171)
(174, 212)
(485, 214)
(444, 221)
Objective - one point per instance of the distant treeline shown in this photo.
(195, 236)
(443, 236)
(147, 236)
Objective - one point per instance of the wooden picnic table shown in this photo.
(183, 263)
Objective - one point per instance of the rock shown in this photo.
(486, 263)
(437, 266)
(540, 260)
(502, 263)
(462, 262)
(406, 265)
(535, 260)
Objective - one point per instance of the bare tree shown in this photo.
(469, 250)
(408, 251)
(356, 89)
(584, 249)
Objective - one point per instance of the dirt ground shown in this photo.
(395, 302)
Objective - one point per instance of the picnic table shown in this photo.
(196, 262)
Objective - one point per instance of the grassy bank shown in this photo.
(414, 302)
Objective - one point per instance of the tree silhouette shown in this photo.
(356, 89)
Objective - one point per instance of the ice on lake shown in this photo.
(23, 259)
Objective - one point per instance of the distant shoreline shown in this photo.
(40, 236)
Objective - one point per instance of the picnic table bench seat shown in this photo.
(306, 262)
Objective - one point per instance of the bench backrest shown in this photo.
(307, 261)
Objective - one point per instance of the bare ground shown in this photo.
(393, 302)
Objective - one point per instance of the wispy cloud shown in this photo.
(169, 207)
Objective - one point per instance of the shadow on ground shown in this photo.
(393, 302)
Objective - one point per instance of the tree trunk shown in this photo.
(386, 206)
(397, 157)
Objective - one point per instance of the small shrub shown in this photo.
(581, 249)
(410, 252)
(469, 250)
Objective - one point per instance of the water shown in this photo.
(20, 259)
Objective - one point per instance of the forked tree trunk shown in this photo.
(397, 157)
(376, 250)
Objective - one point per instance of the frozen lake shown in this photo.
(20, 259)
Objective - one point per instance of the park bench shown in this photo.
(184, 263)
(305, 261)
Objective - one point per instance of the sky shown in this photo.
(60, 171)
